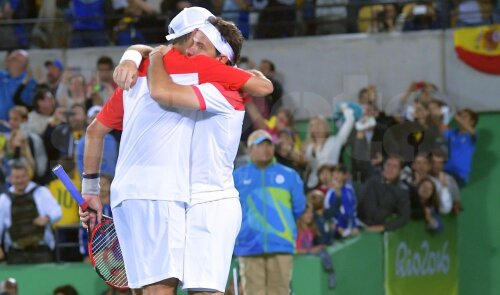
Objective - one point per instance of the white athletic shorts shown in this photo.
(211, 230)
(151, 235)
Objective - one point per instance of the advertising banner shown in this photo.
(417, 262)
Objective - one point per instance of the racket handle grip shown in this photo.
(63, 176)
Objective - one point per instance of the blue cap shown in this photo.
(56, 62)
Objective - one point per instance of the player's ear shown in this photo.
(223, 59)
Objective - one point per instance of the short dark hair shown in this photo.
(105, 60)
(439, 154)
(66, 290)
(230, 32)
(473, 115)
(339, 168)
(78, 105)
(323, 168)
(396, 157)
(270, 63)
(424, 155)
(182, 39)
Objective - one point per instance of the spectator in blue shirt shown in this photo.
(272, 199)
(13, 77)
(461, 146)
(341, 203)
(88, 21)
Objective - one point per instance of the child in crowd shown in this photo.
(324, 178)
(309, 240)
(340, 202)
(461, 146)
(317, 198)
(308, 237)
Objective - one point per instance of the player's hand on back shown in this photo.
(94, 202)
(125, 74)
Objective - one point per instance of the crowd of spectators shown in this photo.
(42, 123)
(78, 23)
(375, 173)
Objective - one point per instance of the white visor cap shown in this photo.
(186, 21)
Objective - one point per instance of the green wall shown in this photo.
(42, 279)
(351, 260)
(479, 240)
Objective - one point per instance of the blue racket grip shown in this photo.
(63, 176)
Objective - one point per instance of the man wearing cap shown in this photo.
(55, 69)
(151, 184)
(13, 77)
(272, 199)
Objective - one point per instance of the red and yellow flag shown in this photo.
(479, 47)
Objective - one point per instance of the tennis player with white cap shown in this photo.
(152, 185)
(213, 216)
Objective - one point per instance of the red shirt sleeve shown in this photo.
(111, 114)
(209, 70)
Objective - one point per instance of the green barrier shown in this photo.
(417, 262)
(351, 259)
(42, 279)
(358, 262)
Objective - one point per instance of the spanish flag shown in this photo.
(479, 47)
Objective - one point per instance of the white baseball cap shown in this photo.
(186, 21)
(259, 136)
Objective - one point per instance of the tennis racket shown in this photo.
(104, 249)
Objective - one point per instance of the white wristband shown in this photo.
(132, 55)
(90, 186)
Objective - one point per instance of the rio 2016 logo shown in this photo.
(423, 261)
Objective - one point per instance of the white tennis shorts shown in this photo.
(211, 230)
(151, 235)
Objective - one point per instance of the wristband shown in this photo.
(90, 175)
(132, 55)
(90, 186)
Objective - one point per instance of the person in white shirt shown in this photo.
(322, 148)
(29, 210)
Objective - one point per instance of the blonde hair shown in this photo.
(322, 123)
(21, 111)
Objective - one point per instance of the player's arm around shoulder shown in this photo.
(125, 73)
(258, 84)
(163, 89)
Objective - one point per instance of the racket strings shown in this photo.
(107, 255)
